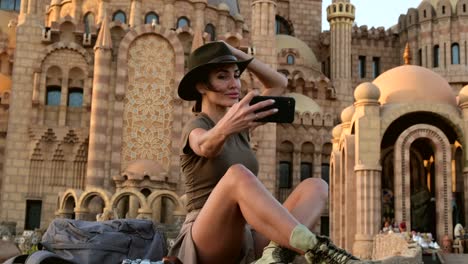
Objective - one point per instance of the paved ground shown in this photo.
(454, 258)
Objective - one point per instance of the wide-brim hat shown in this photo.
(208, 55)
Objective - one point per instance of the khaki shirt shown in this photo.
(202, 174)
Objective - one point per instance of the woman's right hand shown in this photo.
(242, 115)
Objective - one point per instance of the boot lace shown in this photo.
(326, 252)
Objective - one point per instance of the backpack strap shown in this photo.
(46, 257)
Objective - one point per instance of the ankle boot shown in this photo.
(275, 254)
(320, 249)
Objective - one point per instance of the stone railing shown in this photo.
(395, 248)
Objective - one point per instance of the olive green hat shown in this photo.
(210, 54)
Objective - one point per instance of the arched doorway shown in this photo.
(422, 178)
(423, 186)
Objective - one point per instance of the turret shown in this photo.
(340, 15)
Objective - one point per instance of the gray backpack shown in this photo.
(76, 241)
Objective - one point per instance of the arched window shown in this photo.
(120, 16)
(53, 95)
(424, 13)
(75, 97)
(10, 5)
(455, 53)
(182, 22)
(285, 179)
(436, 56)
(150, 17)
(347, 8)
(282, 26)
(290, 59)
(210, 29)
(341, 8)
(443, 10)
(88, 21)
(464, 7)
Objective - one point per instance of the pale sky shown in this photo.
(375, 13)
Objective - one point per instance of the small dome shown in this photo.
(347, 114)
(233, 5)
(289, 42)
(463, 95)
(366, 91)
(304, 103)
(223, 6)
(414, 84)
(336, 132)
(138, 169)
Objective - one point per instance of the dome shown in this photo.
(304, 103)
(138, 169)
(434, 3)
(289, 42)
(336, 132)
(463, 95)
(413, 84)
(223, 6)
(366, 91)
(347, 114)
(232, 4)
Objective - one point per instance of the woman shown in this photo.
(223, 192)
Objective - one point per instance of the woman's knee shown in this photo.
(238, 175)
(316, 186)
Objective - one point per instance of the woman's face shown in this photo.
(223, 86)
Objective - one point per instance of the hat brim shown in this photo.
(187, 90)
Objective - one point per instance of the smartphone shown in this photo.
(285, 105)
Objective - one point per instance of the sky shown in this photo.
(375, 13)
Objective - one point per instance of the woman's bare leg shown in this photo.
(239, 197)
(306, 203)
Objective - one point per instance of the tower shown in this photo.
(340, 15)
(264, 47)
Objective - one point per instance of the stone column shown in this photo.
(95, 173)
(168, 19)
(222, 19)
(76, 9)
(341, 23)
(263, 41)
(135, 13)
(199, 22)
(102, 11)
(63, 100)
(367, 169)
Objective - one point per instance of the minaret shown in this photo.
(340, 15)
(95, 173)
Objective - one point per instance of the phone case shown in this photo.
(285, 105)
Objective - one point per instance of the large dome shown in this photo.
(304, 103)
(289, 42)
(413, 84)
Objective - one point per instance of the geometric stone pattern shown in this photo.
(148, 110)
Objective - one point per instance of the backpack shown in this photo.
(77, 241)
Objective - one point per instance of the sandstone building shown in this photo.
(90, 119)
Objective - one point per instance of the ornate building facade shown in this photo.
(91, 121)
